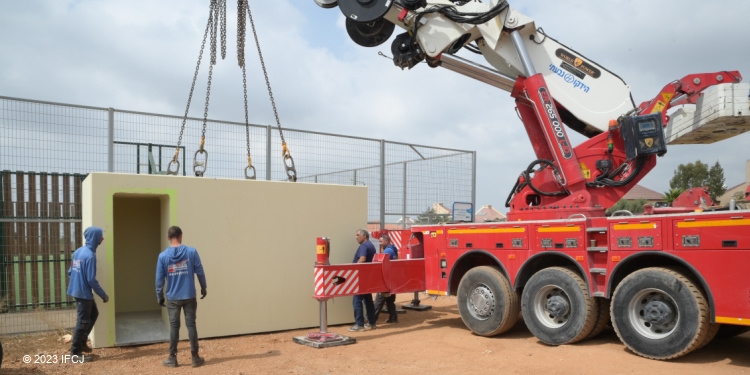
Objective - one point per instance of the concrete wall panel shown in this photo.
(256, 240)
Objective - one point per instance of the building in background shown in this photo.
(641, 192)
(488, 213)
(736, 192)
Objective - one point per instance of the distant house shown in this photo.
(375, 225)
(408, 221)
(641, 192)
(488, 213)
(440, 209)
(737, 190)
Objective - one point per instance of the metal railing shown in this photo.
(41, 139)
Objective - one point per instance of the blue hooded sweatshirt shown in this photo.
(82, 270)
(177, 265)
(392, 251)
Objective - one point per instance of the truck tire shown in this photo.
(713, 330)
(486, 302)
(557, 308)
(602, 318)
(659, 313)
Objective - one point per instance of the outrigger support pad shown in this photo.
(324, 339)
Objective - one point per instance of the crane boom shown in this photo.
(667, 280)
(554, 86)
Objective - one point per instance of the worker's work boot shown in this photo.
(79, 357)
(197, 361)
(171, 361)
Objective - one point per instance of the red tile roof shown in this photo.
(640, 192)
(488, 213)
(440, 209)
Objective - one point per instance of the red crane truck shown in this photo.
(666, 283)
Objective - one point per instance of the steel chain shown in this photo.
(247, 129)
(265, 73)
(290, 169)
(241, 30)
(175, 159)
(223, 7)
(218, 29)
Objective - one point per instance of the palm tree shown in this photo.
(672, 194)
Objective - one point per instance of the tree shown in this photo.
(672, 194)
(634, 206)
(431, 217)
(716, 180)
(699, 175)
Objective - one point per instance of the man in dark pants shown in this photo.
(365, 253)
(386, 247)
(82, 275)
(179, 264)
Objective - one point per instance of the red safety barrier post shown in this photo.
(323, 338)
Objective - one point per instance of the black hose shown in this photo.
(606, 180)
(454, 15)
(545, 163)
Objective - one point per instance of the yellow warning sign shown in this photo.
(585, 171)
(658, 107)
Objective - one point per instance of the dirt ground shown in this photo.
(433, 341)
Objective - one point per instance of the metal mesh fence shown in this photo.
(47, 149)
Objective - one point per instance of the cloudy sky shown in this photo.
(140, 55)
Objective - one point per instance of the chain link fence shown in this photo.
(47, 149)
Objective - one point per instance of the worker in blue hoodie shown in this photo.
(388, 299)
(179, 264)
(82, 275)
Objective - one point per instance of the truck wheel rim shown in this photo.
(481, 302)
(653, 313)
(552, 306)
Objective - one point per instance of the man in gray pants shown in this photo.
(179, 264)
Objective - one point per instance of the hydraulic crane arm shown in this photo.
(553, 85)
(590, 94)
(685, 91)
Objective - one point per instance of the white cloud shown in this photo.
(141, 55)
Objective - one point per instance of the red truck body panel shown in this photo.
(713, 248)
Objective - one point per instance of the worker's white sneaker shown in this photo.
(356, 328)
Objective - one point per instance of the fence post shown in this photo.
(47, 266)
(268, 153)
(32, 243)
(5, 233)
(474, 179)
(403, 204)
(21, 240)
(382, 184)
(111, 140)
(78, 209)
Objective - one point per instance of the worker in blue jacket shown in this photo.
(364, 254)
(388, 299)
(179, 264)
(82, 275)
